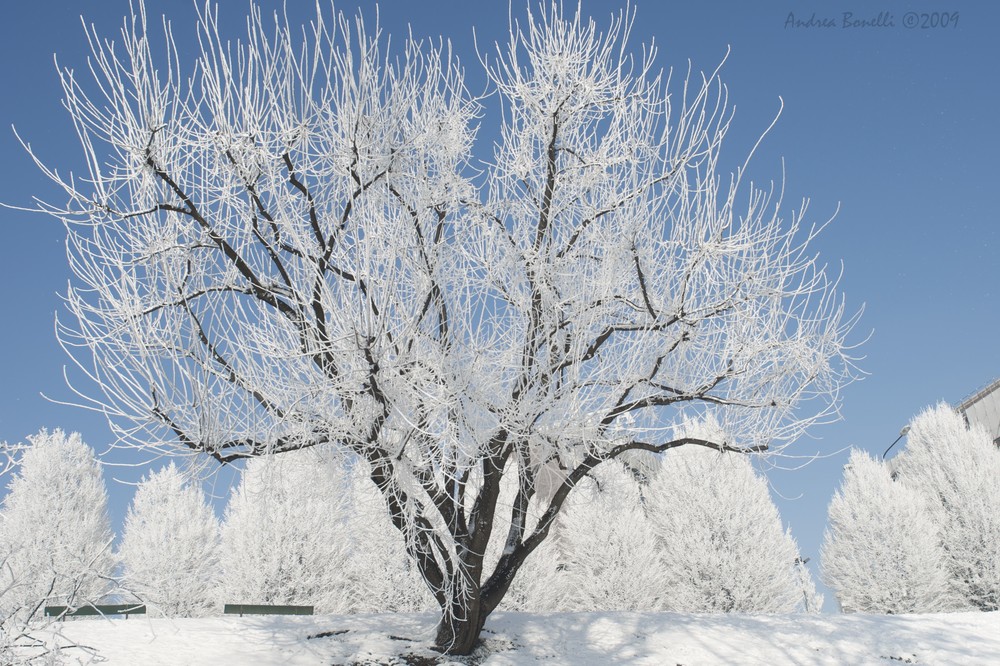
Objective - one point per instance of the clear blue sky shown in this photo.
(896, 124)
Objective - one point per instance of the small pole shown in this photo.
(902, 433)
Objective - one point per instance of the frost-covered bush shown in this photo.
(608, 558)
(170, 546)
(309, 528)
(286, 532)
(956, 469)
(882, 551)
(720, 540)
(55, 537)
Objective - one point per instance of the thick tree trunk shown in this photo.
(459, 628)
(464, 615)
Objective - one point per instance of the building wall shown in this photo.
(983, 408)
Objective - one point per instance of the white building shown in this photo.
(983, 407)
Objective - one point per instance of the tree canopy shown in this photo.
(295, 241)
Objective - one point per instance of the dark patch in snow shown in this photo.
(327, 634)
(420, 660)
(484, 649)
(408, 659)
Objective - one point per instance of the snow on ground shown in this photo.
(579, 639)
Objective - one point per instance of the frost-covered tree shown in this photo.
(720, 539)
(290, 242)
(956, 469)
(608, 556)
(882, 551)
(285, 535)
(55, 535)
(170, 546)
(284, 541)
(15, 625)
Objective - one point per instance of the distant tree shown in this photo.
(608, 556)
(170, 546)
(292, 245)
(341, 557)
(15, 625)
(882, 551)
(55, 536)
(286, 536)
(956, 469)
(720, 540)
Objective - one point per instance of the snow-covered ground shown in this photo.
(556, 638)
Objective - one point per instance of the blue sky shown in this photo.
(896, 125)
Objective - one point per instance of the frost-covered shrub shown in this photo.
(720, 540)
(286, 533)
(310, 528)
(608, 558)
(882, 550)
(692, 530)
(55, 537)
(170, 546)
(956, 469)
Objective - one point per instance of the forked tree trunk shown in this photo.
(466, 611)
(459, 627)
